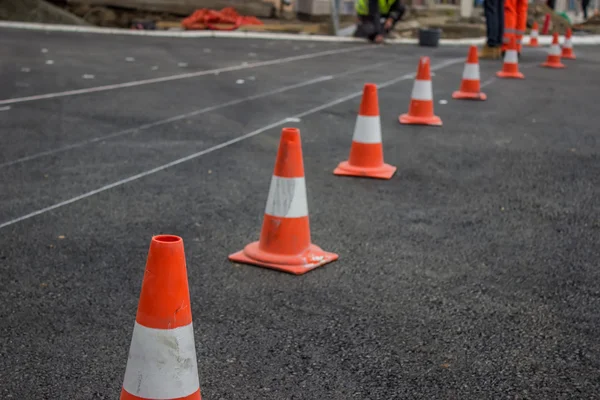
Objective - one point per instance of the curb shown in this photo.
(543, 39)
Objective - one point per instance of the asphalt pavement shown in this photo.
(472, 274)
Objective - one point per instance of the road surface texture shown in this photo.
(473, 274)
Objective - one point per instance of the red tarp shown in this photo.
(209, 19)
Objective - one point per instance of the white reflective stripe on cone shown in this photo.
(471, 72)
(554, 50)
(287, 198)
(162, 363)
(510, 57)
(534, 34)
(568, 44)
(422, 90)
(367, 130)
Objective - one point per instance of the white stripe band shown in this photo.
(162, 363)
(510, 57)
(287, 198)
(422, 90)
(568, 44)
(471, 72)
(367, 130)
(534, 34)
(554, 50)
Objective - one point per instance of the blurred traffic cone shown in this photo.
(470, 87)
(553, 60)
(533, 35)
(162, 355)
(420, 111)
(510, 67)
(567, 49)
(366, 153)
(285, 236)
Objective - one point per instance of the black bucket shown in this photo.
(429, 37)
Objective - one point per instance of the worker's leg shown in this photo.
(494, 18)
(521, 22)
(365, 28)
(584, 5)
(510, 22)
(500, 16)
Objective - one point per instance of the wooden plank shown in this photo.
(255, 8)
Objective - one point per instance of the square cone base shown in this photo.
(469, 95)
(385, 171)
(553, 65)
(572, 57)
(513, 75)
(412, 120)
(310, 259)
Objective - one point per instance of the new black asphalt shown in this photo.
(472, 274)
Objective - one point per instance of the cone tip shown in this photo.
(473, 57)
(369, 105)
(288, 163)
(290, 135)
(166, 239)
(423, 71)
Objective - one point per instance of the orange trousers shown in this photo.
(515, 22)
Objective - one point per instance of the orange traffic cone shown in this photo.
(284, 242)
(567, 49)
(553, 60)
(420, 111)
(510, 67)
(533, 35)
(162, 355)
(366, 153)
(470, 87)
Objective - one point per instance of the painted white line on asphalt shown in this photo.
(220, 146)
(188, 115)
(177, 77)
(166, 120)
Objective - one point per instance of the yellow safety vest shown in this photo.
(362, 6)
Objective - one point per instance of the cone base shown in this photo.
(469, 95)
(125, 395)
(385, 171)
(299, 264)
(413, 120)
(553, 65)
(513, 75)
(569, 57)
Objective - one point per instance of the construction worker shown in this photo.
(370, 15)
(515, 23)
(494, 22)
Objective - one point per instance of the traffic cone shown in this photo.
(284, 242)
(533, 35)
(470, 87)
(366, 153)
(420, 111)
(510, 67)
(553, 60)
(567, 49)
(162, 355)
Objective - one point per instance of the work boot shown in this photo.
(489, 53)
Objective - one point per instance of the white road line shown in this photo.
(219, 146)
(165, 121)
(189, 115)
(176, 77)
